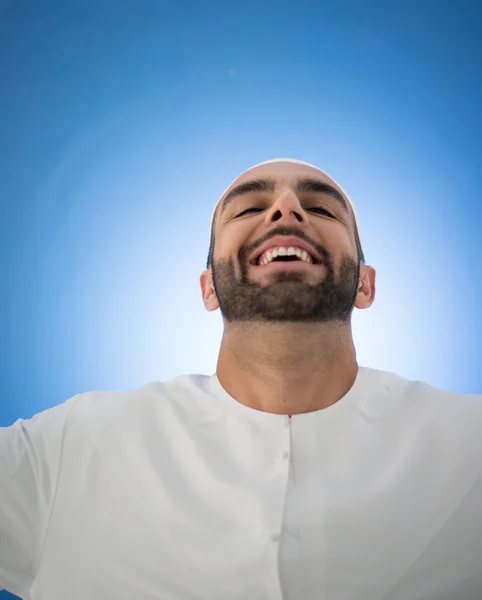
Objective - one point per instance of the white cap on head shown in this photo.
(299, 162)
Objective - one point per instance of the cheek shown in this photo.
(233, 238)
(339, 240)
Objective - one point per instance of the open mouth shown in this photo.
(284, 252)
(287, 264)
(299, 258)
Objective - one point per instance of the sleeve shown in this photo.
(30, 454)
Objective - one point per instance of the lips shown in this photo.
(297, 265)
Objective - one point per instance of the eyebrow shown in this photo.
(313, 186)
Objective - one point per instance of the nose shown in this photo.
(286, 208)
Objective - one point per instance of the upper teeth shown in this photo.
(268, 255)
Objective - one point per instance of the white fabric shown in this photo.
(298, 162)
(176, 491)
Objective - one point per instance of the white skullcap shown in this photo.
(298, 162)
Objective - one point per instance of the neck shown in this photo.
(287, 368)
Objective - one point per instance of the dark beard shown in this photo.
(288, 298)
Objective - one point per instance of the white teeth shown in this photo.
(271, 254)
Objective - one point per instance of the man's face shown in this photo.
(285, 212)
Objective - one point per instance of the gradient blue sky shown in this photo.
(122, 122)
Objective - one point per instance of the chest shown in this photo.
(295, 515)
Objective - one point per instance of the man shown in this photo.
(290, 474)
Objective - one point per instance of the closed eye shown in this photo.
(247, 210)
(322, 210)
(314, 208)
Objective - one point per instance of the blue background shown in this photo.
(121, 124)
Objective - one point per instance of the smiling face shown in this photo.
(285, 248)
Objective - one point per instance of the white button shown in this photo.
(288, 421)
(275, 537)
(286, 454)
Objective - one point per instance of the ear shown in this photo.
(208, 293)
(366, 287)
